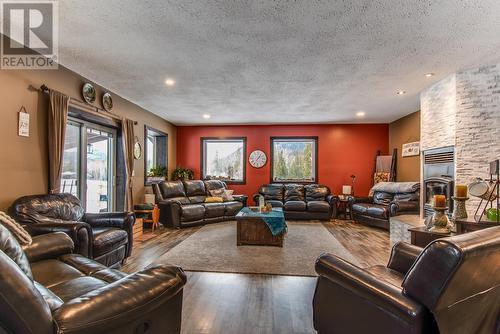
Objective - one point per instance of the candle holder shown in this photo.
(439, 221)
(459, 210)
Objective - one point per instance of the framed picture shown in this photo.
(24, 123)
(411, 149)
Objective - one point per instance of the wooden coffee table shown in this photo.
(252, 230)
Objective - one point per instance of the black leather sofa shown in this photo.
(104, 237)
(182, 203)
(452, 286)
(301, 202)
(46, 289)
(388, 200)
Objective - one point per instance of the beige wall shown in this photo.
(401, 131)
(23, 161)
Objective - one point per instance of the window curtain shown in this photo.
(58, 117)
(128, 150)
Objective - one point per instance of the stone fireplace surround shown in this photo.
(463, 110)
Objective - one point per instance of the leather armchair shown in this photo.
(45, 288)
(451, 286)
(105, 237)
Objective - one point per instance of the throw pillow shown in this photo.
(217, 192)
(214, 199)
(228, 195)
(16, 229)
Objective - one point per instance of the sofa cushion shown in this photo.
(272, 192)
(214, 184)
(171, 189)
(52, 272)
(294, 192)
(378, 211)
(213, 210)
(360, 208)
(382, 198)
(192, 212)
(194, 188)
(318, 206)
(197, 199)
(107, 239)
(316, 192)
(295, 206)
(275, 204)
(182, 200)
(232, 208)
(77, 287)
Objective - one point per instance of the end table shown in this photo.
(342, 206)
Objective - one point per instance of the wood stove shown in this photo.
(439, 177)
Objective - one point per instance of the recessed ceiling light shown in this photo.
(428, 75)
(401, 92)
(170, 82)
(206, 116)
(360, 114)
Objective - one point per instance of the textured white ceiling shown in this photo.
(304, 61)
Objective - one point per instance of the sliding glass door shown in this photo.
(89, 165)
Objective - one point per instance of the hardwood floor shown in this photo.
(250, 303)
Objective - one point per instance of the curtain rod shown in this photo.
(81, 104)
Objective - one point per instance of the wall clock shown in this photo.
(257, 159)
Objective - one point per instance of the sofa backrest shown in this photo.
(316, 192)
(22, 307)
(213, 185)
(46, 208)
(272, 191)
(195, 190)
(173, 190)
(294, 192)
(458, 280)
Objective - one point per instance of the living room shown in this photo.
(270, 167)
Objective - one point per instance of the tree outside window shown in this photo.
(224, 159)
(294, 159)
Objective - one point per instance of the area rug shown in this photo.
(213, 248)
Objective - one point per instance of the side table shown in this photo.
(469, 225)
(343, 209)
(421, 237)
(149, 213)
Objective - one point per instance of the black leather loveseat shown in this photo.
(389, 199)
(105, 237)
(45, 288)
(310, 201)
(182, 203)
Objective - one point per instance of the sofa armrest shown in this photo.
(120, 302)
(403, 255)
(49, 246)
(402, 207)
(366, 199)
(241, 198)
(364, 286)
(123, 220)
(79, 232)
(170, 213)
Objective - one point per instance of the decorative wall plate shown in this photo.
(257, 159)
(137, 150)
(107, 102)
(88, 93)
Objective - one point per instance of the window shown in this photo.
(294, 159)
(89, 165)
(224, 159)
(155, 154)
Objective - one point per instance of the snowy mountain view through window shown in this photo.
(294, 160)
(223, 159)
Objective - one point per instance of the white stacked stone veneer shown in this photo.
(463, 110)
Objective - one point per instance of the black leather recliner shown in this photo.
(46, 289)
(182, 203)
(450, 287)
(104, 237)
(311, 201)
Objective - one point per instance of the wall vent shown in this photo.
(438, 158)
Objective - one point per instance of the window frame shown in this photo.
(203, 141)
(147, 129)
(295, 138)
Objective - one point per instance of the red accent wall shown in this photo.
(343, 150)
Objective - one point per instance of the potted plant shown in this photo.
(182, 174)
(157, 174)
